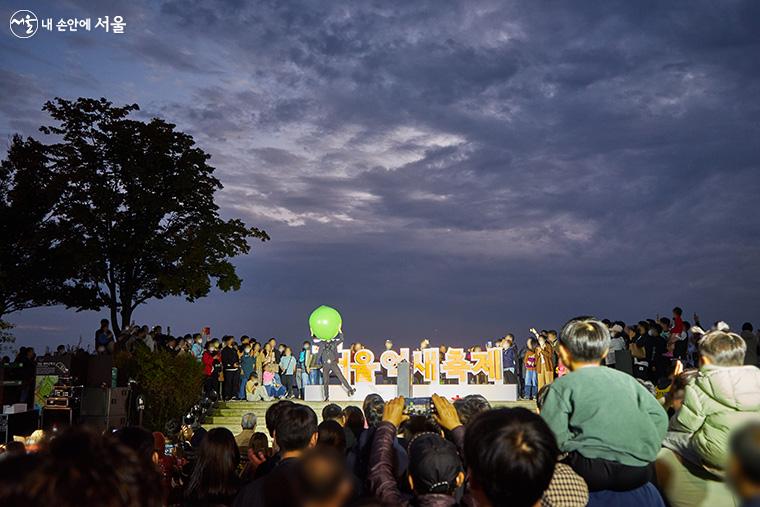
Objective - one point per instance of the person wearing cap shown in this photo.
(435, 468)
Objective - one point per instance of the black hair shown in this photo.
(541, 396)
(511, 454)
(470, 406)
(354, 420)
(80, 467)
(139, 440)
(330, 433)
(295, 427)
(373, 407)
(586, 338)
(747, 326)
(677, 310)
(320, 474)
(272, 414)
(214, 478)
(331, 411)
(745, 448)
(258, 442)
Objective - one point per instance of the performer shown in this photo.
(328, 354)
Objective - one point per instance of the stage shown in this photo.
(491, 392)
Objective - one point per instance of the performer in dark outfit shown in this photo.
(328, 354)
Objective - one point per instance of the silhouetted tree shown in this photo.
(31, 261)
(135, 208)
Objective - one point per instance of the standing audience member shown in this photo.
(247, 368)
(750, 338)
(544, 362)
(288, 372)
(303, 368)
(511, 454)
(529, 366)
(331, 434)
(80, 468)
(214, 481)
(744, 464)
(295, 432)
(435, 468)
(322, 478)
(231, 367)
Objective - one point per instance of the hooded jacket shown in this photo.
(717, 401)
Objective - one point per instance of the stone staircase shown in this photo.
(228, 414)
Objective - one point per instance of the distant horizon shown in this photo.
(453, 171)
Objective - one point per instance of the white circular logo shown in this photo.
(24, 24)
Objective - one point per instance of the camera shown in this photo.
(419, 406)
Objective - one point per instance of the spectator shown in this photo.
(197, 347)
(214, 481)
(744, 464)
(544, 362)
(304, 366)
(591, 407)
(470, 406)
(104, 338)
(529, 366)
(255, 391)
(295, 432)
(140, 441)
(435, 468)
(80, 467)
(322, 478)
(724, 394)
(331, 434)
(509, 358)
(511, 454)
(288, 373)
(354, 421)
(248, 425)
(231, 365)
(247, 368)
(750, 338)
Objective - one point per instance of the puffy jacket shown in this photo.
(718, 400)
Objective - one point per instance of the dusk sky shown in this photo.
(451, 170)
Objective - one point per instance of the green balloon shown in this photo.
(325, 323)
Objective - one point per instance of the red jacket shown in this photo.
(208, 361)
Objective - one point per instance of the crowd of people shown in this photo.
(599, 436)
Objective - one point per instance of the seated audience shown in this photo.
(255, 391)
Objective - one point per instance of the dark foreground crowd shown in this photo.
(600, 437)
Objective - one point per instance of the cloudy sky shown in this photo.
(447, 169)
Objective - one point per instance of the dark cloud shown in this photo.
(451, 168)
